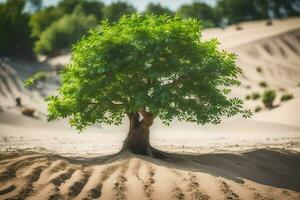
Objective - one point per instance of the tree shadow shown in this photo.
(273, 167)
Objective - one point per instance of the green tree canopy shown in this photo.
(15, 37)
(237, 11)
(116, 10)
(157, 9)
(41, 20)
(62, 33)
(153, 63)
(243, 10)
(199, 10)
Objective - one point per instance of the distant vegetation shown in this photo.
(26, 24)
(15, 33)
(268, 98)
(40, 76)
(257, 109)
(259, 69)
(286, 97)
(63, 33)
(247, 97)
(263, 84)
(255, 95)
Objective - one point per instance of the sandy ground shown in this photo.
(257, 158)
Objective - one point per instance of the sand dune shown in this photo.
(275, 50)
(255, 174)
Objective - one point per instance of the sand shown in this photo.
(257, 158)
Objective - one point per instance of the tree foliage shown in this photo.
(41, 20)
(201, 11)
(15, 37)
(116, 10)
(63, 33)
(157, 9)
(156, 63)
(87, 7)
(243, 10)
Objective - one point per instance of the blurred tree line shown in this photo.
(27, 28)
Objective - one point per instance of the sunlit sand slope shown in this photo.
(269, 54)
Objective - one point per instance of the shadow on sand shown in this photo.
(274, 167)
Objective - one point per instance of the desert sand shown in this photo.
(256, 158)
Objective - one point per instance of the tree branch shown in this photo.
(148, 117)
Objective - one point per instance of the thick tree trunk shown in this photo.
(137, 140)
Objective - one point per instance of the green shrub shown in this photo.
(259, 69)
(63, 33)
(286, 97)
(35, 78)
(247, 97)
(263, 84)
(40, 76)
(268, 98)
(255, 95)
(257, 109)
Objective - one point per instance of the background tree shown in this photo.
(41, 20)
(36, 4)
(116, 10)
(15, 37)
(243, 10)
(282, 9)
(237, 11)
(63, 33)
(146, 67)
(157, 9)
(200, 11)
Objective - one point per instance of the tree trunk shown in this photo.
(137, 140)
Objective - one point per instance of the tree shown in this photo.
(36, 4)
(88, 7)
(146, 67)
(116, 10)
(15, 37)
(63, 33)
(200, 11)
(237, 11)
(41, 20)
(157, 9)
(242, 10)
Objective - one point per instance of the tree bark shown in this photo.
(137, 140)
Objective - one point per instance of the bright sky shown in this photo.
(141, 4)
